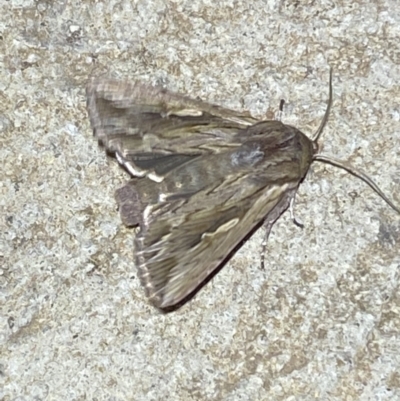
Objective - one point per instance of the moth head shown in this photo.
(307, 150)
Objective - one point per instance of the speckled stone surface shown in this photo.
(321, 322)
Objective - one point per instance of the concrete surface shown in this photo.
(321, 322)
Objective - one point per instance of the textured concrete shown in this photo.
(321, 322)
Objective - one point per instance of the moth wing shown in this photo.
(176, 253)
(151, 130)
(192, 211)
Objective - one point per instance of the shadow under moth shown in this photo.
(203, 177)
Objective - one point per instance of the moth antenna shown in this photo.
(338, 163)
(359, 174)
(326, 115)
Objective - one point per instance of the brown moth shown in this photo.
(203, 177)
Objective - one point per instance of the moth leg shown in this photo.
(274, 215)
(279, 113)
(292, 216)
(268, 228)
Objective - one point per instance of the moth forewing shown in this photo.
(203, 178)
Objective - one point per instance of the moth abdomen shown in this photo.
(129, 205)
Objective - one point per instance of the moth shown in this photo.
(203, 177)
